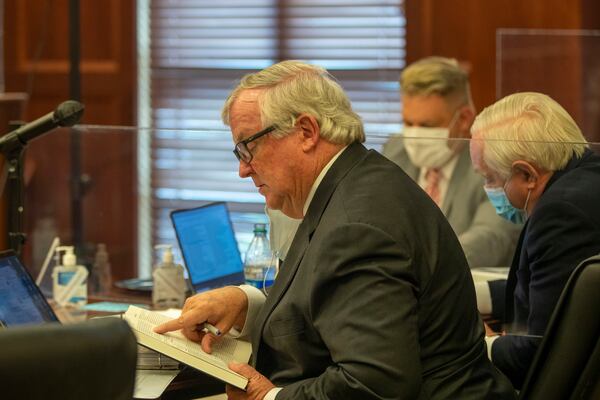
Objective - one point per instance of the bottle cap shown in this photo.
(167, 257)
(101, 253)
(260, 228)
(69, 259)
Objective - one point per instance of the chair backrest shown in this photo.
(588, 386)
(566, 363)
(91, 360)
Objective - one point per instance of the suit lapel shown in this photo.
(336, 173)
(460, 172)
(284, 278)
(409, 168)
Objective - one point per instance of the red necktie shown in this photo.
(432, 177)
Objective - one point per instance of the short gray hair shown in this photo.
(291, 88)
(527, 126)
(436, 75)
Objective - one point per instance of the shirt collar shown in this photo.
(317, 181)
(446, 170)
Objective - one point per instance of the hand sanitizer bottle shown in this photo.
(169, 286)
(69, 280)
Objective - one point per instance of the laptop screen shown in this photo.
(208, 246)
(21, 301)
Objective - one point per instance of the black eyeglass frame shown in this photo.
(241, 147)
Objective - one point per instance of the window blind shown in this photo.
(197, 52)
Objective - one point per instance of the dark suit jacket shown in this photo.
(375, 299)
(562, 231)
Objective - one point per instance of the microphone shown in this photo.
(67, 113)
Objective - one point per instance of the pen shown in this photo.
(211, 329)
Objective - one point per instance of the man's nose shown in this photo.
(244, 169)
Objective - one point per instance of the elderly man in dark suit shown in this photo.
(538, 169)
(374, 299)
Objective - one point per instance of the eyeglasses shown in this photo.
(241, 150)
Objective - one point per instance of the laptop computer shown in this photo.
(22, 302)
(208, 246)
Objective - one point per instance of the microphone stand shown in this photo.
(12, 145)
(14, 156)
(77, 182)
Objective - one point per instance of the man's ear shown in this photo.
(466, 116)
(528, 172)
(309, 131)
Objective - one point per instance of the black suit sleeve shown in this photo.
(498, 296)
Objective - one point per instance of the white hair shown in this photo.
(291, 88)
(527, 126)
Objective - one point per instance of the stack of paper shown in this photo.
(150, 359)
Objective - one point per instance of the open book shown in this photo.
(178, 347)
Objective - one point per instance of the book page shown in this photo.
(223, 351)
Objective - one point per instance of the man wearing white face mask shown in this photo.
(538, 169)
(437, 105)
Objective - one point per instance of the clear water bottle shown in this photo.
(258, 271)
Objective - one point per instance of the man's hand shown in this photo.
(223, 308)
(258, 385)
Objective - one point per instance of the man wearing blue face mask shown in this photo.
(538, 169)
(503, 207)
(436, 106)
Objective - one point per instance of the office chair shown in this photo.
(567, 363)
(588, 386)
(94, 360)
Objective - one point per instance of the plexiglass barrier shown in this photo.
(129, 179)
(564, 64)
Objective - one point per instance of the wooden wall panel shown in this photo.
(466, 30)
(37, 62)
